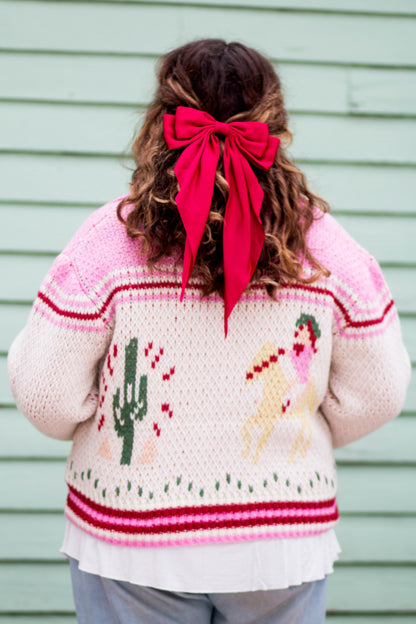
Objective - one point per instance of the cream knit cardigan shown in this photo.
(183, 436)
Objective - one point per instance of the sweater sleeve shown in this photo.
(370, 367)
(54, 362)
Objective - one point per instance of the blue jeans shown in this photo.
(101, 600)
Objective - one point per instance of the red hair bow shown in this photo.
(243, 233)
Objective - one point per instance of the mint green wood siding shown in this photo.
(76, 77)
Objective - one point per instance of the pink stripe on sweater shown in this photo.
(188, 541)
(257, 294)
(60, 321)
(357, 306)
(351, 334)
(207, 508)
(177, 520)
(339, 318)
(124, 279)
(71, 302)
(108, 306)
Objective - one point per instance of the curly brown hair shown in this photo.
(231, 82)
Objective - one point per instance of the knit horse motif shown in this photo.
(266, 365)
(275, 403)
(303, 408)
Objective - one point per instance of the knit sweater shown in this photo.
(181, 435)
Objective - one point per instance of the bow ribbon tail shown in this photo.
(195, 172)
(243, 233)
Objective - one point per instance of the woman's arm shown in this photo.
(54, 361)
(370, 368)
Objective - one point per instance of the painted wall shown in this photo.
(75, 77)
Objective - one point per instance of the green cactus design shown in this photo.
(133, 409)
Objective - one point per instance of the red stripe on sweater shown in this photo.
(176, 285)
(350, 322)
(201, 509)
(199, 524)
(96, 315)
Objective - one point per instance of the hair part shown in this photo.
(231, 82)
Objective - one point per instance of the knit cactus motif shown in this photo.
(133, 408)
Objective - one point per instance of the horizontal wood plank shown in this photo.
(132, 80)
(400, 7)
(400, 281)
(375, 91)
(374, 589)
(23, 440)
(26, 274)
(77, 78)
(353, 139)
(363, 489)
(127, 28)
(330, 619)
(38, 537)
(31, 536)
(82, 179)
(63, 179)
(409, 336)
(36, 587)
(362, 188)
(392, 443)
(70, 128)
(42, 588)
(33, 235)
(12, 319)
(110, 79)
(6, 397)
(365, 539)
(40, 486)
(389, 239)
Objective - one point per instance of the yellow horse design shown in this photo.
(304, 409)
(265, 364)
(275, 403)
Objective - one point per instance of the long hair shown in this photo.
(232, 83)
